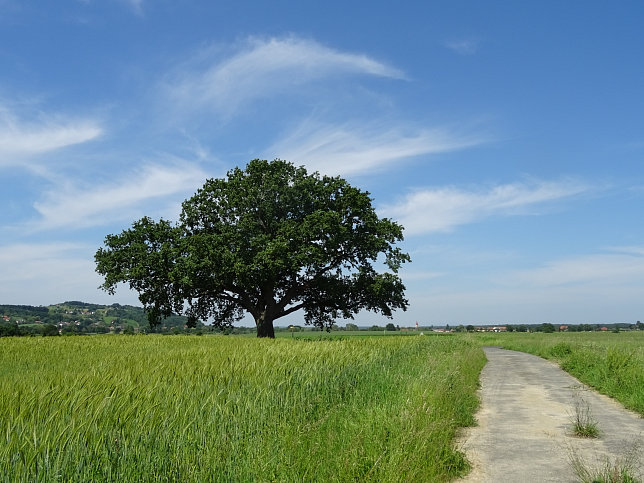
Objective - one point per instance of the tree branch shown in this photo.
(289, 311)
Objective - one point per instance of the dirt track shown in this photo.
(524, 424)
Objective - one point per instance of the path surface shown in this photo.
(524, 424)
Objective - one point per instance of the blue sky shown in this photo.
(507, 137)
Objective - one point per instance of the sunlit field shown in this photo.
(215, 408)
(316, 334)
(613, 363)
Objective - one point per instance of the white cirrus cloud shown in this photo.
(53, 272)
(29, 259)
(263, 68)
(361, 147)
(443, 209)
(136, 5)
(120, 199)
(408, 275)
(623, 266)
(467, 46)
(20, 139)
(630, 250)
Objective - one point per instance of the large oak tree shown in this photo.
(268, 240)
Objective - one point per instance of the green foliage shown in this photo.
(23, 310)
(268, 240)
(547, 327)
(9, 330)
(79, 318)
(70, 330)
(49, 330)
(561, 349)
(123, 409)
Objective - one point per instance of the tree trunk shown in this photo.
(265, 326)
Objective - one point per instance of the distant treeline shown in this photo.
(23, 310)
(8, 329)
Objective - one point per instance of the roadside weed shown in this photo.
(584, 424)
(617, 470)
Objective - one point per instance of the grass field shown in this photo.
(188, 408)
(310, 334)
(612, 363)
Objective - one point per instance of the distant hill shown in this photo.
(82, 317)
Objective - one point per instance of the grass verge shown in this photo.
(612, 363)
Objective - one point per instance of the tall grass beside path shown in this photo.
(188, 408)
(612, 363)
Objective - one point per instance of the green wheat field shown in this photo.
(225, 408)
(214, 408)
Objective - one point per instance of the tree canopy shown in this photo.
(267, 240)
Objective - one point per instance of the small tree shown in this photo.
(268, 240)
(9, 329)
(49, 330)
(546, 327)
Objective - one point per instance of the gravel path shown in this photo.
(524, 425)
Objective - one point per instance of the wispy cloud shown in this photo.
(528, 305)
(631, 250)
(593, 288)
(408, 275)
(137, 5)
(121, 199)
(29, 258)
(20, 139)
(467, 46)
(616, 268)
(443, 209)
(262, 68)
(47, 273)
(361, 147)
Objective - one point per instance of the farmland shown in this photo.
(213, 408)
(311, 407)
